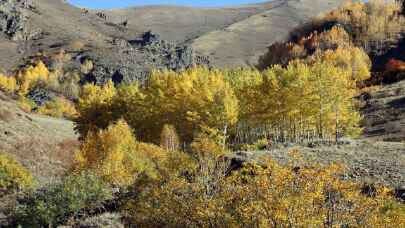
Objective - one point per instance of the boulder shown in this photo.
(400, 193)
(40, 95)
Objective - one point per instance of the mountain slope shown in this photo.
(43, 144)
(384, 113)
(241, 32)
(243, 42)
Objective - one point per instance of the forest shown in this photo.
(159, 152)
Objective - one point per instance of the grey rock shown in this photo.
(133, 60)
(400, 193)
(40, 95)
(14, 15)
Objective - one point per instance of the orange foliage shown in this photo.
(394, 65)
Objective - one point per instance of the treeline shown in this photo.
(306, 98)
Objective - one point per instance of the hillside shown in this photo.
(384, 113)
(43, 144)
(243, 31)
(241, 43)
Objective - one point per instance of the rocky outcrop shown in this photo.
(40, 95)
(14, 15)
(129, 60)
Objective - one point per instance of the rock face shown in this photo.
(14, 17)
(129, 60)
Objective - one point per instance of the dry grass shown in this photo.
(6, 115)
(77, 45)
(47, 161)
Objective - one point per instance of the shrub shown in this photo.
(59, 107)
(206, 146)
(260, 144)
(263, 196)
(395, 65)
(104, 220)
(28, 77)
(169, 140)
(26, 104)
(13, 175)
(87, 66)
(55, 204)
(8, 84)
(114, 155)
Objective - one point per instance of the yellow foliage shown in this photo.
(13, 175)
(29, 76)
(94, 108)
(169, 140)
(270, 196)
(86, 66)
(353, 60)
(334, 38)
(114, 155)
(375, 20)
(59, 107)
(26, 104)
(8, 84)
(204, 146)
(189, 100)
(303, 98)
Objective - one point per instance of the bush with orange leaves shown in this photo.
(270, 195)
(394, 65)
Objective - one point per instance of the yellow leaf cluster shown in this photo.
(116, 156)
(188, 100)
(94, 108)
(29, 76)
(271, 195)
(303, 99)
(372, 21)
(8, 84)
(59, 107)
(13, 175)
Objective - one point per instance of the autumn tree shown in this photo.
(8, 84)
(169, 140)
(305, 100)
(13, 176)
(94, 108)
(374, 25)
(190, 100)
(116, 156)
(268, 195)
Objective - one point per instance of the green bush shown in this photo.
(53, 205)
(12, 175)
